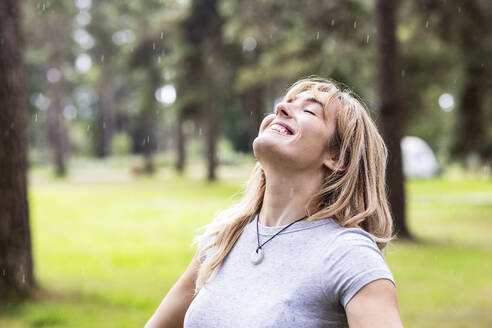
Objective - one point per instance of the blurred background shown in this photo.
(125, 125)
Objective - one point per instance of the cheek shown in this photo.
(266, 121)
(316, 136)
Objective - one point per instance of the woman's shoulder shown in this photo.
(350, 260)
(346, 235)
(338, 235)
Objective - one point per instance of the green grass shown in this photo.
(108, 246)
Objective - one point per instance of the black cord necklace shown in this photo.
(257, 255)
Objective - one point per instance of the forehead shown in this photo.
(310, 96)
(313, 95)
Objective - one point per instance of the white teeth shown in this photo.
(280, 129)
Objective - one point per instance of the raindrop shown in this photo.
(3, 272)
(200, 132)
(88, 127)
(403, 73)
(162, 35)
(159, 59)
(36, 117)
(104, 124)
(317, 35)
(367, 38)
(153, 45)
(355, 25)
(332, 22)
(459, 10)
(44, 7)
(427, 24)
(23, 278)
(102, 59)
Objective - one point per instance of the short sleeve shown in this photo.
(351, 261)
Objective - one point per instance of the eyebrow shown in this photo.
(314, 100)
(310, 99)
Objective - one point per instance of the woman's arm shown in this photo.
(171, 311)
(374, 305)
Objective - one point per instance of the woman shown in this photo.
(303, 246)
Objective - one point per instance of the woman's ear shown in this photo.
(331, 161)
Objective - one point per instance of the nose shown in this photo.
(282, 110)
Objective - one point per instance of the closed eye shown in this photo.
(310, 112)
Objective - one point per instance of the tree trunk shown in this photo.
(210, 120)
(180, 145)
(253, 108)
(469, 125)
(149, 119)
(55, 128)
(106, 119)
(16, 267)
(148, 142)
(391, 108)
(471, 120)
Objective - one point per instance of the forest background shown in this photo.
(128, 124)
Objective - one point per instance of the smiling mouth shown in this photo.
(280, 129)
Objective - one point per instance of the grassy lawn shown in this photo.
(107, 246)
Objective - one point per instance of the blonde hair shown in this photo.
(355, 195)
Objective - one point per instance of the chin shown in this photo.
(262, 145)
(268, 151)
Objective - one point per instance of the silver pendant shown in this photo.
(257, 257)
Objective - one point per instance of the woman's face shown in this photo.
(296, 135)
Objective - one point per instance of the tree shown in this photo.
(474, 45)
(16, 267)
(203, 76)
(144, 59)
(391, 108)
(463, 26)
(282, 43)
(50, 46)
(104, 18)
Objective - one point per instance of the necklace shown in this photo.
(257, 255)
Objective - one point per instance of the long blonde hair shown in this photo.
(355, 196)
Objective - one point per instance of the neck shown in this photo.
(286, 196)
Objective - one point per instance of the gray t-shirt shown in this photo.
(308, 274)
